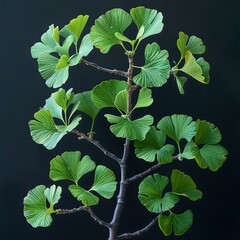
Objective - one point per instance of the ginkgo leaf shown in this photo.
(153, 147)
(195, 45)
(121, 101)
(150, 19)
(205, 69)
(156, 70)
(103, 32)
(181, 43)
(64, 49)
(180, 83)
(35, 205)
(178, 127)
(150, 194)
(144, 98)
(104, 94)
(86, 197)
(86, 104)
(104, 182)
(70, 166)
(131, 129)
(183, 185)
(179, 223)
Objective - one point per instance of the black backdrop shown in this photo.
(25, 164)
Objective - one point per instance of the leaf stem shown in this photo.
(97, 144)
(111, 71)
(139, 232)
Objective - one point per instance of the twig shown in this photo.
(111, 71)
(139, 232)
(97, 144)
(87, 209)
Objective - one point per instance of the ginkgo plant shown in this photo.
(157, 141)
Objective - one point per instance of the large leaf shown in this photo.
(104, 94)
(86, 104)
(150, 194)
(35, 207)
(178, 127)
(153, 147)
(183, 185)
(179, 223)
(86, 197)
(104, 182)
(156, 70)
(150, 19)
(70, 166)
(131, 129)
(103, 32)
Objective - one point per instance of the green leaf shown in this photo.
(103, 32)
(181, 43)
(104, 94)
(195, 45)
(104, 182)
(206, 133)
(180, 83)
(178, 127)
(150, 194)
(121, 101)
(212, 156)
(77, 25)
(35, 207)
(156, 70)
(192, 68)
(131, 129)
(70, 166)
(153, 147)
(64, 49)
(144, 98)
(149, 18)
(179, 223)
(122, 38)
(84, 196)
(183, 185)
(47, 45)
(205, 69)
(86, 104)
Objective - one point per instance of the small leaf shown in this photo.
(180, 83)
(205, 69)
(180, 223)
(195, 45)
(84, 196)
(86, 104)
(70, 166)
(122, 38)
(183, 185)
(156, 70)
(181, 43)
(35, 208)
(64, 49)
(131, 129)
(140, 32)
(150, 19)
(144, 98)
(103, 32)
(150, 194)
(178, 127)
(121, 101)
(152, 147)
(104, 94)
(104, 182)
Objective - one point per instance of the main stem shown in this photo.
(123, 165)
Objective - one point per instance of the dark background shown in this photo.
(25, 164)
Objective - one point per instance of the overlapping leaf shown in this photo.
(183, 185)
(151, 195)
(153, 147)
(131, 129)
(103, 32)
(178, 223)
(156, 70)
(35, 205)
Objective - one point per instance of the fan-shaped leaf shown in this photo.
(121, 101)
(144, 98)
(84, 196)
(68, 166)
(180, 223)
(104, 182)
(181, 43)
(204, 65)
(150, 194)
(131, 129)
(183, 185)
(180, 83)
(103, 32)
(104, 94)
(156, 70)
(152, 147)
(149, 18)
(195, 45)
(35, 208)
(178, 127)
